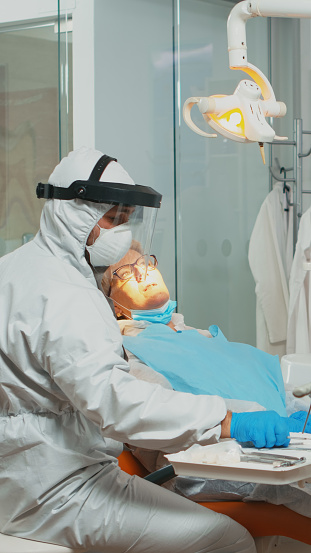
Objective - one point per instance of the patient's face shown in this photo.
(135, 294)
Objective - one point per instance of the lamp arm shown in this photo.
(280, 8)
(259, 78)
(236, 33)
(253, 8)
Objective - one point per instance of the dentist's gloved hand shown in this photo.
(263, 428)
(297, 421)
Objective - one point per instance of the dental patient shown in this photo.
(163, 350)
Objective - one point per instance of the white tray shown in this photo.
(245, 471)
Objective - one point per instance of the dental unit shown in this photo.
(242, 116)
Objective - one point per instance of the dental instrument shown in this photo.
(300, 438)
(242, 115)
(276, 460)
(305, 424)
(297, 446)
(301, 391)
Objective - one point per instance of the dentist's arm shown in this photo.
(226, 425)
(263, 428)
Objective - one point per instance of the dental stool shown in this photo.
(11, 544)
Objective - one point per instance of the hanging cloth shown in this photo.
(199, 365)
(270, 259)
(299, 313)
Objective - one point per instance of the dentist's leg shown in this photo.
(138, 516)
(114, 512)
(160, 520)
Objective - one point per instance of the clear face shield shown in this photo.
(129, 219)
(121, 228)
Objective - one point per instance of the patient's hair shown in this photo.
(107, 276)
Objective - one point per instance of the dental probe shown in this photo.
(306, 420)
(302, 391)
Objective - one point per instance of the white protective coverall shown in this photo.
(68, 403)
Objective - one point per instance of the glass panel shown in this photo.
(285, 79)
(65, 83)
(29, 119)
(285, 71)
(134, 103)
(221, 184)
(305, 80)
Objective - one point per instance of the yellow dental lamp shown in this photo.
(242, 115)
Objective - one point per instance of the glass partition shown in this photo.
(34, 120)
(134, 100)
(149, 57)
(65, 96)
(220, 183)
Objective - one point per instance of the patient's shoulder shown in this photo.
(128, 327)
(178, 321)
(146, 373)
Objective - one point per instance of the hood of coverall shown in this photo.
(66, 224)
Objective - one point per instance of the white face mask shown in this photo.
(110, 246)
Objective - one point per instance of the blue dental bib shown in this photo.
(196, 364)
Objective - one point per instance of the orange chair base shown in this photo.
(265, 519)
(260, 518)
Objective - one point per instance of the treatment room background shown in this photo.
(114, 76)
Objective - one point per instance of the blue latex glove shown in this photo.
(297, 421)
(263, 428)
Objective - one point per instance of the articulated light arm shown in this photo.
(241, 116)
(253, 8)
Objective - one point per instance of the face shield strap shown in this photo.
(94, 190)
(101, 166)
(102, 192)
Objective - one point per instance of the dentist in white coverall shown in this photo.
(68, 403)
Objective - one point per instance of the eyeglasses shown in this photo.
(143, 263)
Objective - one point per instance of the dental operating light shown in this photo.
(242, 115)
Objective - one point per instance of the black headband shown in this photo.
(94, 190)
(101, 166)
